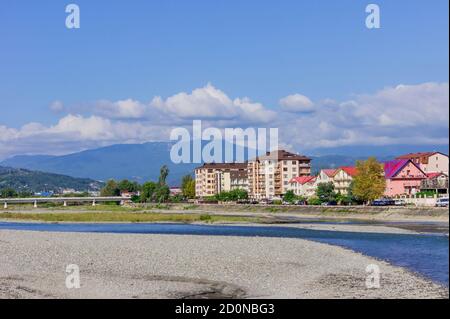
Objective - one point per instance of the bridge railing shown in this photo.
(64, 200)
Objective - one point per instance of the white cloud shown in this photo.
(124, 109)
(405, 114)
(296, 103)
(56, 106)
(74, 133)
(212, 104)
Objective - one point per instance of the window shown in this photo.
(294, 162)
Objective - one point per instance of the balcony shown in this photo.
(434, 184)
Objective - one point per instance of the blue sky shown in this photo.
(263, 50)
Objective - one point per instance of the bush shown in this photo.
(429, 193)
(136, 199)
(205, 218)
(232, 196)
(314, 201)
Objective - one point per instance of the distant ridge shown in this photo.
(35, 181)
(141, 162)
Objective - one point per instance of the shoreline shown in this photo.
(385, 221)
(358, 228)
(188, 266)
(372, 213)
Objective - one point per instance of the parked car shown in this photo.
(442, 202)
(383, 202)
(331, 203)
(400, 202)
(266, 202)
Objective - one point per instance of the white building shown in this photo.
(304, 186)
(429, 162)
(325, 176)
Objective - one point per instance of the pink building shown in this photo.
(403, 177)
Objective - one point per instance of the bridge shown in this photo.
(63, 200)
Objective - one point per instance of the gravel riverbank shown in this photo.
(33, 264)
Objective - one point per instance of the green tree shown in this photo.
(238, 194)
(126, 185)
(232, 196)
(314, 200)
(163, 173)
(148, 191)
(111, 189)
(188, 186)
(369, 184)
(325, 192)
(162, 193)
(25, 194)
(289, 196)
(8, 193)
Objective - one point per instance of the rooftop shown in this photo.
(392, 168)
(303, 179)
(350, 170)
(282, 155)
(418, 155)
(329, 171)
(223, 166)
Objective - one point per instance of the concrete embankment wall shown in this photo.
(313, 210)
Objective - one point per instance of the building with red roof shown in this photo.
(303, 185)
(325, 175)
(342, 179)
(436, 182)
(403, 177)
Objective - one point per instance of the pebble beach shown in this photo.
(33, 265)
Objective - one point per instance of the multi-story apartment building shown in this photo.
(429, 162)
(269, 175)
(212, 179)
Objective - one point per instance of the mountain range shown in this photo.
(34, 181)
(138, 162)
(141, 162)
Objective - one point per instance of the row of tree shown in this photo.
(12, 193)
(158, 192)
(232, 196)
